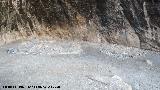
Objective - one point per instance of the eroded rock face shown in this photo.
(127, 22)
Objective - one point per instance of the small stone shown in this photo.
(131, 56)
(12, 51)
(149, 62)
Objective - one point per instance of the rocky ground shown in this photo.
(78, 66)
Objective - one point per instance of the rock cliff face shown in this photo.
(127, 22)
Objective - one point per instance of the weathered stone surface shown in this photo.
(127, 22)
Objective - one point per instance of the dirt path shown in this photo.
(78, 66)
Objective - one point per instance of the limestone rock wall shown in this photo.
(127, 22)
